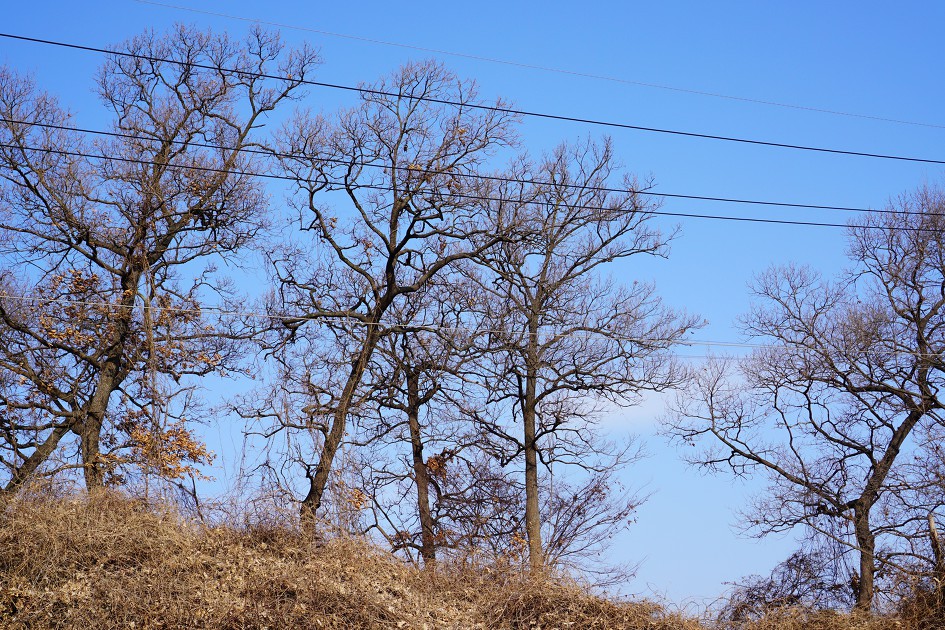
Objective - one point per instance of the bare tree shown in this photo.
(416, 377)
(94, 234)
(830, 407)
(565, 338)
(404, 164)
(581, 517)
(480, 515)
(807, 580)
(916, 497)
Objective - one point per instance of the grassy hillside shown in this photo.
(107, 562)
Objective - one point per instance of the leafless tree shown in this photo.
(418, 386)
(403, 165)
(848, 377)
(565, 338)
(480, 513)
(94, 235)
(807, 580)
(916, 497)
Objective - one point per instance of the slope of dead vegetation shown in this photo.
(107, 562)
(104, 561)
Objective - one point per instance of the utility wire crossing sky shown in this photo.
(496, 108)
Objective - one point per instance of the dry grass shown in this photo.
(108, 562)
(800, 619)
(104, 561)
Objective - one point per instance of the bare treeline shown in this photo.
(840, 408)
(435, 332)
(427, 310)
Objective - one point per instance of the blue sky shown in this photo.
(863, 58)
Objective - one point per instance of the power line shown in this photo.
(484, 198)
(292, 317)
(496, 178)
(492, 108)
(528, 66)
(417, 327)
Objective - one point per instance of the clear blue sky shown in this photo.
(865, 58)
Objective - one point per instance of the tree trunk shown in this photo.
(865, 538)
(421, 474)
(90, 429)
(866, 543)
(532, 517)
(938, 572)
(111, 376)
(319, 481)
(91, 455)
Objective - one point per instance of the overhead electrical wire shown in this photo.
(292, 317)
(497, 178)
(474, 197)
(529, 66)
(482, 107)
(415, 326)
(485, 198)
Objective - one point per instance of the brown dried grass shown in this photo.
(802, 619)
(104, 561)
